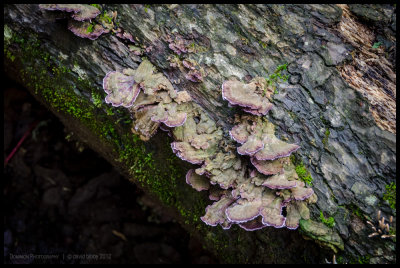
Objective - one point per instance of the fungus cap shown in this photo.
(81, 11)
(81, 29)
(258, 140)
(268, 167)
(121, 89)
(255, 224)
(246, 95)
(199, 183)
(243, 210)
(215, 213)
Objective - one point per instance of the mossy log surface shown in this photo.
(349, 158)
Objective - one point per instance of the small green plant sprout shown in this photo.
(272, 80)
(377, 44)
(390, 195)
(264, 45)
(325, 139)
(303, 174)
(90, 28)
(96, 6)
(330, 222)
(97, 99)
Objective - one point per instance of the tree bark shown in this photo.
(350, 157)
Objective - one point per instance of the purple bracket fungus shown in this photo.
(286, 178)
(81, 23)
(246, 201)
(81, 12)
(295, 211)
(199, 183)
(178, 45)
(188, 64)
(215, 213)
(194, 76)
(253, 96)
(127, 36)
(143, 126)
(224, 169)
(194, 145)
(267, 167)
(271, 211)
(168, 114)
(279, 181)
(148, 95)
(252, 199)
(258, 140)
(244, 210)
(253, 225)
(186, 152)
(216, 193)
(183, 96)
(121, 89)
(81, 29)
(300, 192)
(136, 50)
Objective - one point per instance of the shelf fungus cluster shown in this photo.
(80, 21)
(149, 96)
(270, 194)
(251, 198)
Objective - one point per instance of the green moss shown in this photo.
(97, 99)
(54, 83)
(104, 17)
(377, 44)
(390, 195)
(9, 55)
(301, 170)
(272, 79)
(196, 48)
(90, 28)
(263, 44)
(360, 259)
(326, 137)
(330, 222)
(324, 121)
(96, 6)
(340, 260)
(355, 210)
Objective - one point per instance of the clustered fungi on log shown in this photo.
(258, 141)
(80, 22)
(246, 193)
(150, 97)
(256, 194)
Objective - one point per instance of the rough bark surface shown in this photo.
(351, 158)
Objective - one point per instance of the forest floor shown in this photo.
(65, 204)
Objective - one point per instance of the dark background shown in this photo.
(62, 199)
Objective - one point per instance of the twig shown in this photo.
(26, 134)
